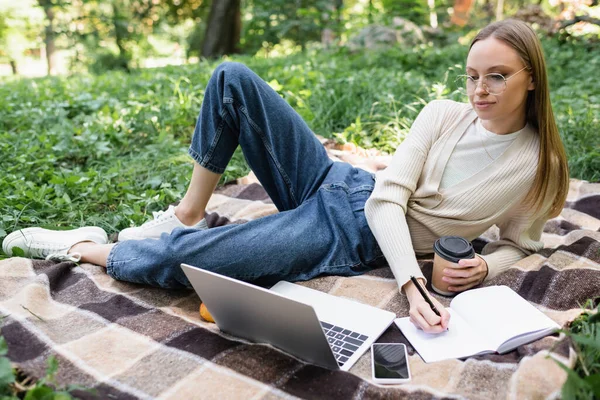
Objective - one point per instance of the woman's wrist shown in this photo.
(411, 290)
(487, 268)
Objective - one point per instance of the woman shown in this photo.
(462, 169)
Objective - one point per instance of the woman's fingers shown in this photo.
(462, 288)
(412, 320)
(469, 262)
(445, 319)
(423, 317)
(428, 314)
(464, 269)
(459, 272)
(419, 321)
(463, 281)
(467, 274)
(462, 285)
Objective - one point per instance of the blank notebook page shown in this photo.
(458, 341)
(497, 314)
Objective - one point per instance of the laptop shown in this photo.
(316, 327)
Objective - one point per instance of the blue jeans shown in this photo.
(321, 227)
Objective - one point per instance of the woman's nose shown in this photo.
(480, 88)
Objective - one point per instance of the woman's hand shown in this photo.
(468, 273)
(421, 314)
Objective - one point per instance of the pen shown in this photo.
(425, 296)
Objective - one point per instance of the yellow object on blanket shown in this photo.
(205, 314)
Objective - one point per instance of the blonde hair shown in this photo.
(552, 175)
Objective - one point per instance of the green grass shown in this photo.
(107, 150)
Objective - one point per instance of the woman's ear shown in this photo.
(531, 85)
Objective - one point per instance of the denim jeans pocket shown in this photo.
(356, 196)
(370, 253)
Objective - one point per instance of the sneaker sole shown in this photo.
(122, 237)
(93, 233)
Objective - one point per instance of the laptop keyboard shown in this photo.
(343, 342)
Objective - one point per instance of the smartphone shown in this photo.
(390, 363)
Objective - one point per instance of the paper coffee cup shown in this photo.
(448, 251)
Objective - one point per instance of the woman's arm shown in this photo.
(386, 210)
(519, 237)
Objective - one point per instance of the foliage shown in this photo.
(18, 29)
(299, 21)
(118, 34)
(106, 60)
(576, 100)
(302, 22)
(100, 35)
(128, 22)
(583, 382)
(413, 10)
(7, 376)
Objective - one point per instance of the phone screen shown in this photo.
(390, 361)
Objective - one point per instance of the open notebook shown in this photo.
(486, 320)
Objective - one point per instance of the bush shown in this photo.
(108, 61)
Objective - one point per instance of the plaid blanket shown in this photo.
(130, 341)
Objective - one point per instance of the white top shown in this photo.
(475, 150)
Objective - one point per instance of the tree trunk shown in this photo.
(339, 4)
(49, 39)
(433, 21)
(13, 66)
(223, 29)
(120, 34)
(500, 10)
(489, 10)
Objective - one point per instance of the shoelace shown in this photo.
(74, 257)
(158, 217)
(43, 250)
(157, 214)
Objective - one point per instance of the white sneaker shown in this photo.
(163, 222)
(49, 244)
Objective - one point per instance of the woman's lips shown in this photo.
(482, 105)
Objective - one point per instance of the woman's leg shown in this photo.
(91, 252)
(239, 108)
(190, 209)
(313, 234)
(327, 234)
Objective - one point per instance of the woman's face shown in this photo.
(504, 112)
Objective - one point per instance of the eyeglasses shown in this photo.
(493, 83)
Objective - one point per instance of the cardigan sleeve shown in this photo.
(386, 208)
(520, 236)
